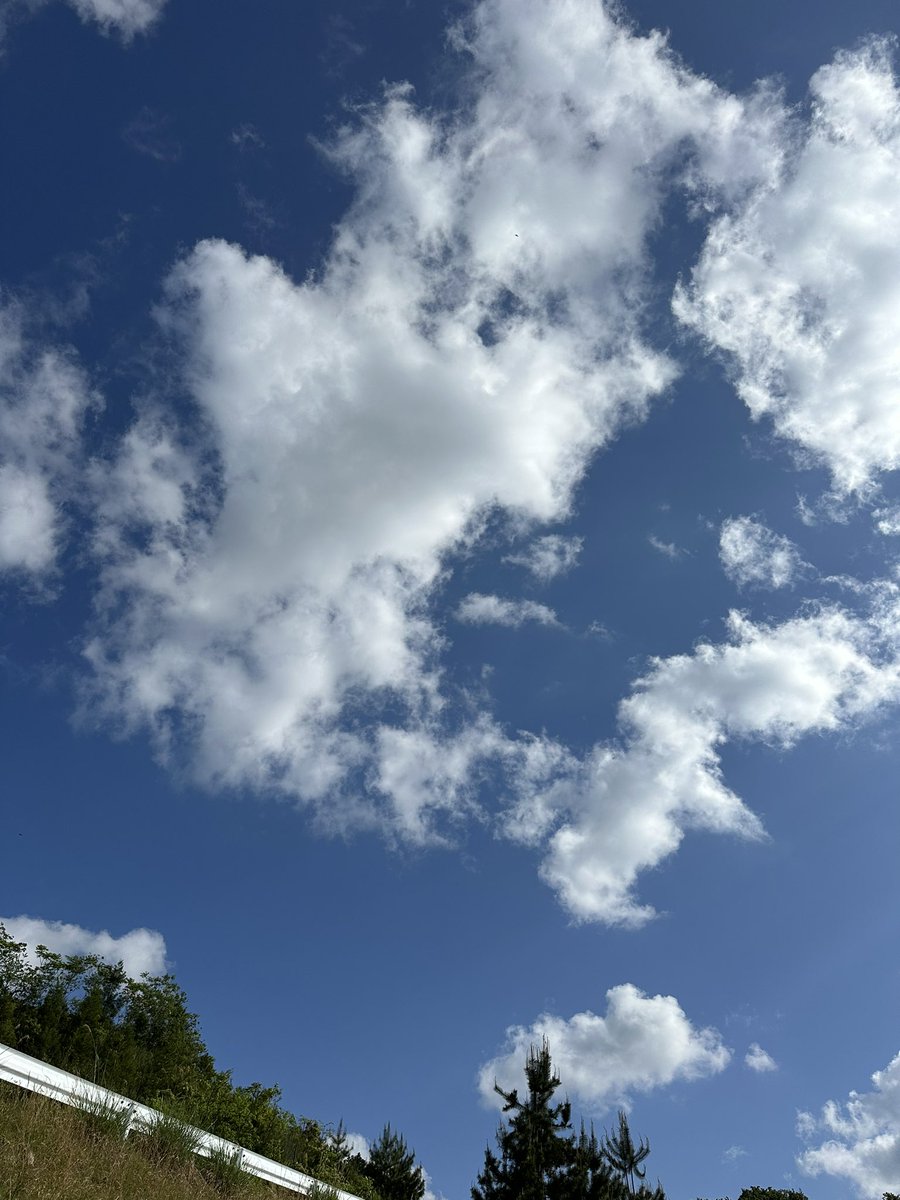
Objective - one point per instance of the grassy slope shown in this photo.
(51, 1152)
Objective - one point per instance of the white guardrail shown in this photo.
(37, 1076)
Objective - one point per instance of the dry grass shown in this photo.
(51, 1152)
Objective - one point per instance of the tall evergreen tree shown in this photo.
(392, 1168)
(540, 1159)
(623, 1155)
(534, 1151)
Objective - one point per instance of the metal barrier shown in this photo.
(37, 1076)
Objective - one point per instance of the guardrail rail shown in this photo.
(37, 1076)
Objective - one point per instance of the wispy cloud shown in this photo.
(478, 609)
(667, 549)
(149, 132)
(759, 1060)
(752, 554)
(549, 556)
(44, 400)
(124, 18)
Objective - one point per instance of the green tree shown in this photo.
(626, 1158)
(392, 1168)
(541, 1159)
(589, 1175)
(760, 1193)
(534, 1151)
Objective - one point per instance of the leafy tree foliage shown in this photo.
(760, 1193)
(541, 1159)
(138, 1038)
(392, 1168)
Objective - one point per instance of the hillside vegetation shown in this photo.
(138, 1038)
(51, 1152)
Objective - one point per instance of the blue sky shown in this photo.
(448, 540)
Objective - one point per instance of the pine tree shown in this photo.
(589, 1175)
(623, 1155)
(539, 1159)
(534, 1152)
(392, 1168)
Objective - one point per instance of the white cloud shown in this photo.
(667, 549)
(887, 520)
(752, 554)
(478, 609)
(643, 1042)
(425, 776)
(733, 1153)
(864, 1143)
(123, 17)
(799, 283)
(758, 1060)
(472, 339)
(358, 1144)
(626, 807)
(139, 951)
(43, 401)
(549, 556)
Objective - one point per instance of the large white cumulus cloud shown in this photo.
(863, 1142)
(473, 338)
(799, 284)
(643, 1042)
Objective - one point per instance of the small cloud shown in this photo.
(758, 1060)
(669, 549)
(247, 137)
(342, 47)
(149, 133)
(887, 520)
(548, 556)
(751, 554)
(806, 1125)
(259, 215)
(430, 1193)
(124, 17)
(733, 1153)
(358, 1144)
(807, 512)
(598, 630)
(140, 951)
(478, 609)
